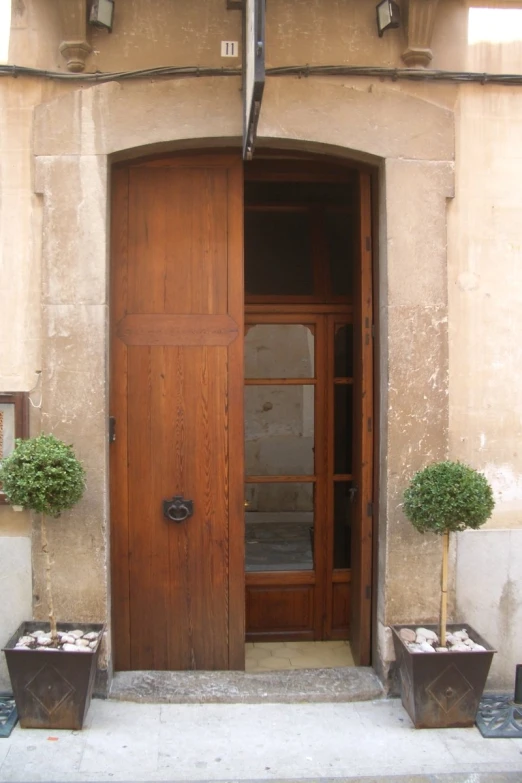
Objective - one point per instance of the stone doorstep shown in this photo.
(441, 777)
(353, 683)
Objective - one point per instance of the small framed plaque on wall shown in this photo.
(14, 423)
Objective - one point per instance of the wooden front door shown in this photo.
(177, 402)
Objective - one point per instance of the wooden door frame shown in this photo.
(362, 552)
(236, 539)
(342, 575)
(368, 494)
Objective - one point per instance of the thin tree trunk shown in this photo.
(48, 584)
(444, 588)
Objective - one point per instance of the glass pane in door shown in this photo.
(342, 524)
(341, 248)
(343, 351)
(279, 351)
(279, 430)
(279, 526)
(278, 261)
(343, 422)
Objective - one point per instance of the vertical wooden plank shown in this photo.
(329, 329)
(178, 233)
(196, 243)
(180, 630)
(198, 601)
(322, 505)
(236, 510)
(120, 585)
(148, 543)
(147, 245)
(148, 533)
(162, 458)
(363, 438)
(208, 460)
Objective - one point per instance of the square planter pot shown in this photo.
(52, 688)
(442, 690)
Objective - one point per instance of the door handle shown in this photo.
(177, 509)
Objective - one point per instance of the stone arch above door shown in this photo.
(363, 117)
(409, 141)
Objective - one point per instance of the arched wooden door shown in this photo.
(177, 401)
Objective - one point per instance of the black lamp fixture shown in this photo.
(102, 14)
(388, 16)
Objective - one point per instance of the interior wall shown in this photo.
(279, 421)
(15, 565)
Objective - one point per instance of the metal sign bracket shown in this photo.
(253, 71)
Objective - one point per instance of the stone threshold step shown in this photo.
(353, 683)
(442, 777)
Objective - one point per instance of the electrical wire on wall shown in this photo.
(375, 72)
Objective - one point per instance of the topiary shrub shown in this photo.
(447, 497)
(43, 475)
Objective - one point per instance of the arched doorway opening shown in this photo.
(241, 385)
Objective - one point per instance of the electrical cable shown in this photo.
(374, 72)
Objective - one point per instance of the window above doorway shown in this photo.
(301, 241)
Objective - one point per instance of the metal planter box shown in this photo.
(52, 688)
(442, 690)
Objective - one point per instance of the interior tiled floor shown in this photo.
(279, 541)
(277, 656)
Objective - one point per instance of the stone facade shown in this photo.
(446, 165)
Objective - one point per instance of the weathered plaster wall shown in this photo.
(149, 34)
(405, 130)
(20, 312)
(485, 307)
(15, 583)
(414, 383)
(489, 595)
(15, 580)
(329, 115)
(74, 376)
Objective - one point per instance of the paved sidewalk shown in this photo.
(123, 741)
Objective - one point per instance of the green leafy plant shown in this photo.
(43, 474)
(447, 497)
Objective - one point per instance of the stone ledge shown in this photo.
(285, 687)
(444, 777)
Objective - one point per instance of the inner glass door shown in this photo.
(301, 249)
(299, 486)
(280, 446)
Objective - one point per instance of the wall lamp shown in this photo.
(102, 14)
(388, 16)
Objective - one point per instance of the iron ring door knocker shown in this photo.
(178, 509)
